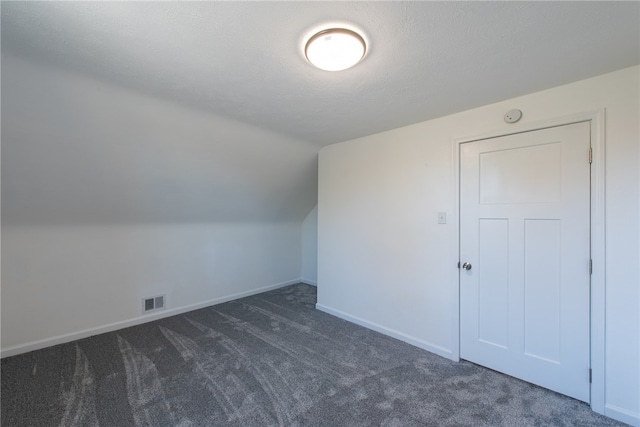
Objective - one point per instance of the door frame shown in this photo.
(596, 119)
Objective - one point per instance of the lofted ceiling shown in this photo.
(204, 112)
(244, 60)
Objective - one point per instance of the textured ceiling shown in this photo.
(243, 60)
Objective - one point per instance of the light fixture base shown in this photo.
(335, 49)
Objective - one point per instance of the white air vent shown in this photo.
(153, 303)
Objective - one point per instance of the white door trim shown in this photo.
(597, 316)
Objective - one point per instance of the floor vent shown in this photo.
(153, 304)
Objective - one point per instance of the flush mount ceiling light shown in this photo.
(335, 49)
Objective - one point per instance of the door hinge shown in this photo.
(590, 155)
(590, 375)
(590, 266)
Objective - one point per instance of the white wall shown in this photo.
(310, 248)
(58, 280)
(384, 261)
(109, 196)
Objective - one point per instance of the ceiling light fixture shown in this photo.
(335, 49)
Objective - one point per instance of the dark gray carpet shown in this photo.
(266, 360)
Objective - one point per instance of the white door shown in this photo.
(525, 236)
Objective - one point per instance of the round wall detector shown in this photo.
(513, 116)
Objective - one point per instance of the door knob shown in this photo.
(466, 266)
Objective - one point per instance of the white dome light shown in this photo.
(335, 49)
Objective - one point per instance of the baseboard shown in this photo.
(440, 351)
(309, 282)
(61, 339)
(623, 415)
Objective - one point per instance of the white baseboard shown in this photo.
(623, 415)
(309, 282)
(440, 351)
(61, 339)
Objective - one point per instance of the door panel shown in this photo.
(493, 297)
(506, 175)
(525, 229)
(542, 289)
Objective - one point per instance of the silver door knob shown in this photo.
(466, 266)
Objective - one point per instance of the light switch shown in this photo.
(442, 217)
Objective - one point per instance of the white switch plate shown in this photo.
(442, 217)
